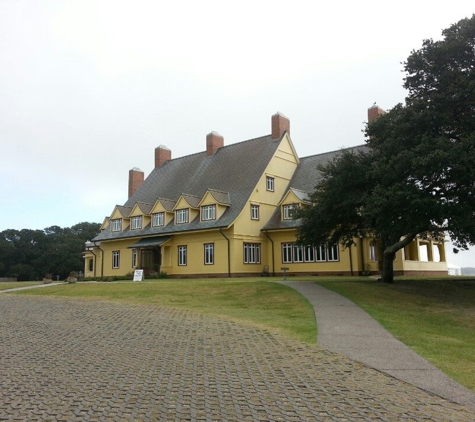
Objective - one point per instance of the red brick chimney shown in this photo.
(374, 112)
(162, 154)
(280, 124)
(213, 141)
(136, 178)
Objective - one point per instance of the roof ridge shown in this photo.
(220, 148)
(331, 152)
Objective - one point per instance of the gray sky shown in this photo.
(88, 89)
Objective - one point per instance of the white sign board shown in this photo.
(138, 275)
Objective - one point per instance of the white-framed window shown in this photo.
(134, 258)
(373, 251)
(298, 253)
(115, 259)
(309, 254)
(270, 184)
(181, 255)
(158, 219)
(209, 253)
(116, 225)
(252, 253)
(287, 253)
(136, 222)
(254, 212)
(333, 252)
(288, 211)
(291, 252)
(320, 253)
(208, 212)
(182, 216)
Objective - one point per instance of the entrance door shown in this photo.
(151, 260)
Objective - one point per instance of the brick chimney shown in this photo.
(374, 112)
(280, 124)
(213, 141)
(162, 154)
(136, 178)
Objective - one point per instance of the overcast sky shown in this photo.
(88, 89)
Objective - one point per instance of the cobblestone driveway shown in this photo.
(74, 360)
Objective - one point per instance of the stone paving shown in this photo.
(79, 360)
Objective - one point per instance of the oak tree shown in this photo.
(416, 176)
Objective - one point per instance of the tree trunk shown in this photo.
(390, 253)
(388, 262)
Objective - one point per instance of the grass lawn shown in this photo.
(436, 318)
(251, 301)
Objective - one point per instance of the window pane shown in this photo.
(116, 225)
(158, 219)
(298, 253)
(270, 183)
(134, 258)
(252, 253)
(255, 212)
(286, 253)
(208, 212)
(373, 253)
(209, 253)
(309, 254)
(115, 259)
(181, 255)
(137, 222)
(182, 216)
(333, 252)
(320, 253)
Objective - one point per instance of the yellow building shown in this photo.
(227, 211)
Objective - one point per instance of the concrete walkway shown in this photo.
(34, 286)
(345, 328)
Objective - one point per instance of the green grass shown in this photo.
(435, 317)
(250, 301)
(15, 284)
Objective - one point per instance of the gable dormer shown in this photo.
(162, 212)
(105, 224)
(292, 200)
(119, 219)
(213, 204)
(140, 215)
(186, 208)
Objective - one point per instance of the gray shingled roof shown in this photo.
(145, 208)
(220, 197)
(305, 179)
(235, 168)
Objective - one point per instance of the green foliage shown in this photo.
(417, 176)
(30, 254)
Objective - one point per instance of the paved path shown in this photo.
(34, 286)
(345, 328)
(82, 360)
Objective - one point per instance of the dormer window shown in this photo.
(270, 184)
(136, 222)
(116, 225)
(208, 212)
(288, 211)
(158, 219)
(182, 216)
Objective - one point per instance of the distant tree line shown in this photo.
(31, 254)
